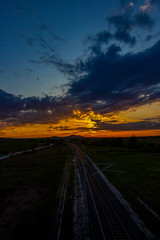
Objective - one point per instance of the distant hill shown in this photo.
(55, 137)
(74, 136)
(68, 137)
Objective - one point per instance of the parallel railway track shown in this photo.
(107, 218)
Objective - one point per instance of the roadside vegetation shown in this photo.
(30, 187)
(9, 145)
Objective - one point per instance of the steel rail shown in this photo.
(116, 221)
(80, 156)
(117, 228)
(58, 224)
(102, 208)
(97, 214)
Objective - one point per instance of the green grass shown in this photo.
(30, 187)
(141, 175)
(16, 145)
(30, 184)
(141, 171)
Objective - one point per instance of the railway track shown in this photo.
(58, 224)
(106, 217)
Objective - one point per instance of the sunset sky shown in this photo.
(89, 68)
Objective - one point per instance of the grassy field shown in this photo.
(30, 187)
(15, 145)
(30, 184)
(135, 170)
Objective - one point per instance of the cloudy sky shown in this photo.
(89, 68)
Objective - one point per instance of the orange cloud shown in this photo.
(123, 124)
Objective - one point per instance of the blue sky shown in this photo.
(73, 21)
(70, 20)
(60, 57)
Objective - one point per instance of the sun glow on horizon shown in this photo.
(89, 124)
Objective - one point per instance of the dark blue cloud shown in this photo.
(44, 44)
(125, 37)
(104, 37)
(46, 27)
(113, 50)
(136, 126)
(108, 81)
(11, 103)
(126, 22)
(28, 40)
(118, 81)
(154, 2)
(19, 110)
(148, 38)
(122, 26)
(104, 80)
(101, 37)
(142, 19)
(121, 22)
(131, 126)
(29, 70)
(122, 2)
